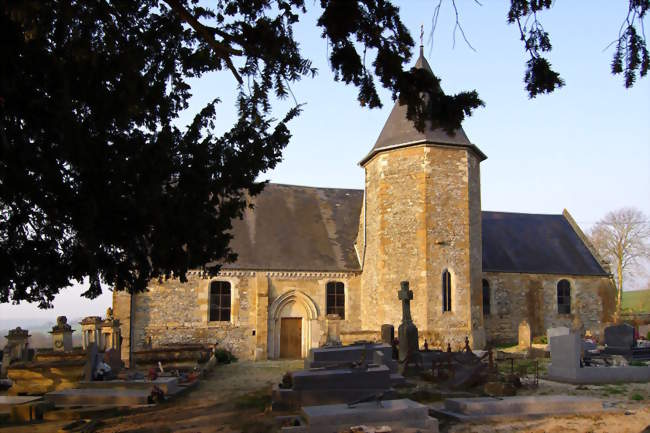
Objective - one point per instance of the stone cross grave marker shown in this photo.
(405, 295)
(407, 332)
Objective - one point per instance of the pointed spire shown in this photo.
(398, 131)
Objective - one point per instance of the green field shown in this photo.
(637, 301)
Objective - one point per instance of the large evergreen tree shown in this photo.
(97, 182)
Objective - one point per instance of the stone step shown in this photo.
(523, 405)
(96, 397)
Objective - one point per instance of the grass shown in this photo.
(502, 346)
(521, 365)
(636, 363)
(258, 401)
(636, 301)
(613, 389)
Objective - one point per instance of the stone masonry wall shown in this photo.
(423, 216)
(533, 297)
(172, 312)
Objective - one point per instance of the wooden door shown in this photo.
(291, 337)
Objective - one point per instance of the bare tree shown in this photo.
(622, 239)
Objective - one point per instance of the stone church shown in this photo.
(312, 258)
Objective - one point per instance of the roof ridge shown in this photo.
(313, 187)
(521, 213)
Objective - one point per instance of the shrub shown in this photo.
(224, 356)
(636, 397)
(540, 339)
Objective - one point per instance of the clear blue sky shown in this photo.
(585, 147)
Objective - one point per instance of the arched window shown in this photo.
(446, 291)
(486, 298)
(220, 301)
(336, 298)
(563, 297)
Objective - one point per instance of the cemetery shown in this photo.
(394, 384)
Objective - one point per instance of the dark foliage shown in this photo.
(97, 182)
(630, 55)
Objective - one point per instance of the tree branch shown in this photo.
(222, 50)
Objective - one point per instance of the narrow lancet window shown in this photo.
(446, 291)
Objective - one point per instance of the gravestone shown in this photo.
(92, 360)
(61, 335)
(619, 336)
(644, 330)
(17, 344)
(113, 359)
(409, 354)
(565, 355)
(333, 338)
(525, 339)
(555, 332)
(6, 359)
(387, 334)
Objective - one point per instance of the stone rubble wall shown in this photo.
(533, 297)
(171, 312)
(423, 216)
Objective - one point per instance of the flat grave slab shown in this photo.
(344, 378)
(489, 408)
(168, 384)
(398, 414)
(11, 400)
(92, 397)
(326, 356)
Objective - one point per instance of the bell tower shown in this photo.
(421, 222)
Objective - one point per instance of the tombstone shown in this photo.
(525, 339)
(90, 331)
(92, 359)
(333, 337)
(61, 335)
(554, 332)
(619, 340)
(619, 337)
(110, 333)
(114, 360)
(565, 355)
(644, 331)
(387, 334)
(17, 343)
(6, 359)
(407, 331)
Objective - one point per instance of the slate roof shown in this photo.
(298, 228)
(398, 131)
(533, 243)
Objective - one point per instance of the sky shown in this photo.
(585, 147)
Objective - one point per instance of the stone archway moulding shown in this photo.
(293, 296)
(283, 301)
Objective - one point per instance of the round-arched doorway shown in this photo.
(292, 317)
